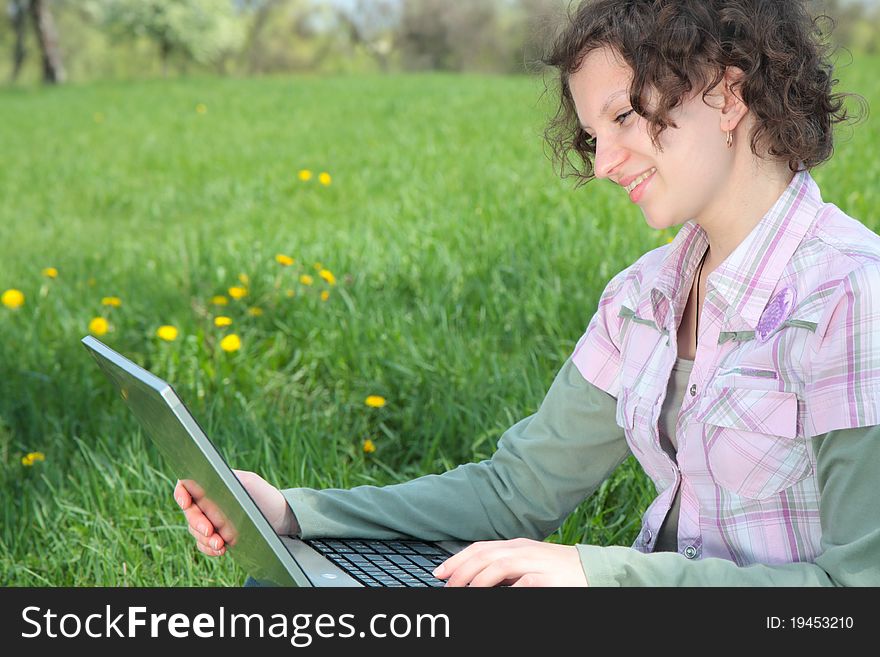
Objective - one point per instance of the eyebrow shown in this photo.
(611, 99)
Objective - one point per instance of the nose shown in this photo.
(609, 156)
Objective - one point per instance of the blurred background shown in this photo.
(85, 40)
(331, 225)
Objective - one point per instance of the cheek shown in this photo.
(696, 144)
(675, 195)
(692, 165)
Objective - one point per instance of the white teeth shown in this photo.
(638, 180)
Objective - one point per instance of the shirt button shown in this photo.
(690, 552)
(693, 390)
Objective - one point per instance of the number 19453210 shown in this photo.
(810, 622)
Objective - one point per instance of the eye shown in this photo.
(620, 119)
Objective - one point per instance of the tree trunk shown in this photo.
(18, 16)
(255, 56)
(164, 54)
(47, 35)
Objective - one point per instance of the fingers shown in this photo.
(195, 517)
(530, 579)
(208, 541)
(182, 496)
(478, 550)
(197, 521)
(520, 562)
(447, 567)
(490, 569)
(212, 545)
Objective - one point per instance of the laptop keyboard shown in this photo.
(384, 563)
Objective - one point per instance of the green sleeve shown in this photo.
(544, 466)
(847, 465)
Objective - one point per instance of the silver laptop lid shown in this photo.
(193, 459)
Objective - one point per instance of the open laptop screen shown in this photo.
(194, 460)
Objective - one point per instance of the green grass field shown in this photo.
(464, 269)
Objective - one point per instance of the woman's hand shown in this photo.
(208, 525)
(519, 562)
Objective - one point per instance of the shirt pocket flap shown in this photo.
(762, 411)
(752, 445)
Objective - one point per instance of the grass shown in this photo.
(465, 272)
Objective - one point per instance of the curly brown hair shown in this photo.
(675, 46)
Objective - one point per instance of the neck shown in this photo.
(753, 188)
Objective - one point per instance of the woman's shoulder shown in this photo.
(645, 267)
(630, 280)
(845, 238)
(838, 256)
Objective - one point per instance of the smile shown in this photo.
(640, 179)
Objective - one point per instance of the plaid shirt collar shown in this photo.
(747, 278)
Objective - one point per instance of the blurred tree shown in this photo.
(254, 39)
(856, 23)
(541, 21)
(288, 35)
(18, 16)
(449, 36)
(370, 26)
(119, 38)
(205, 31)
(47, 38)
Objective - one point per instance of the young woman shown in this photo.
(740, 364)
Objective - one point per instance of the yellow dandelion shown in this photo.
(305, 279)
(290, 294)
(305, 175)
(29, 459)
(324, 178)
(238, 292)
(318, 266)
(167, 333)
(325, 294)
(230, 343)
(255, 311)
(50, 272)
(12, 298)
(669, 241)
(244, 278)
(285, 260)
(328, 276)
(369, 447)
(99, 326)
(375, 401)
(222, 321)
(111, 301)
(98, 117)
(219, 300)
(201, 108)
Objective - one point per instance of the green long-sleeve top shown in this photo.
(548, 463)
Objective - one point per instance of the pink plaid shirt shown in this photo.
(789, 348)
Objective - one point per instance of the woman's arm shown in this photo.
(545, 465)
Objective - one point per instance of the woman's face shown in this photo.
(690, 176)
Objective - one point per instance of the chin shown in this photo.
(661, 223)
(655, 222)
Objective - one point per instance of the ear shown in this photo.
(733, 109)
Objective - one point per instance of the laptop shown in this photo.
(270, 559)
